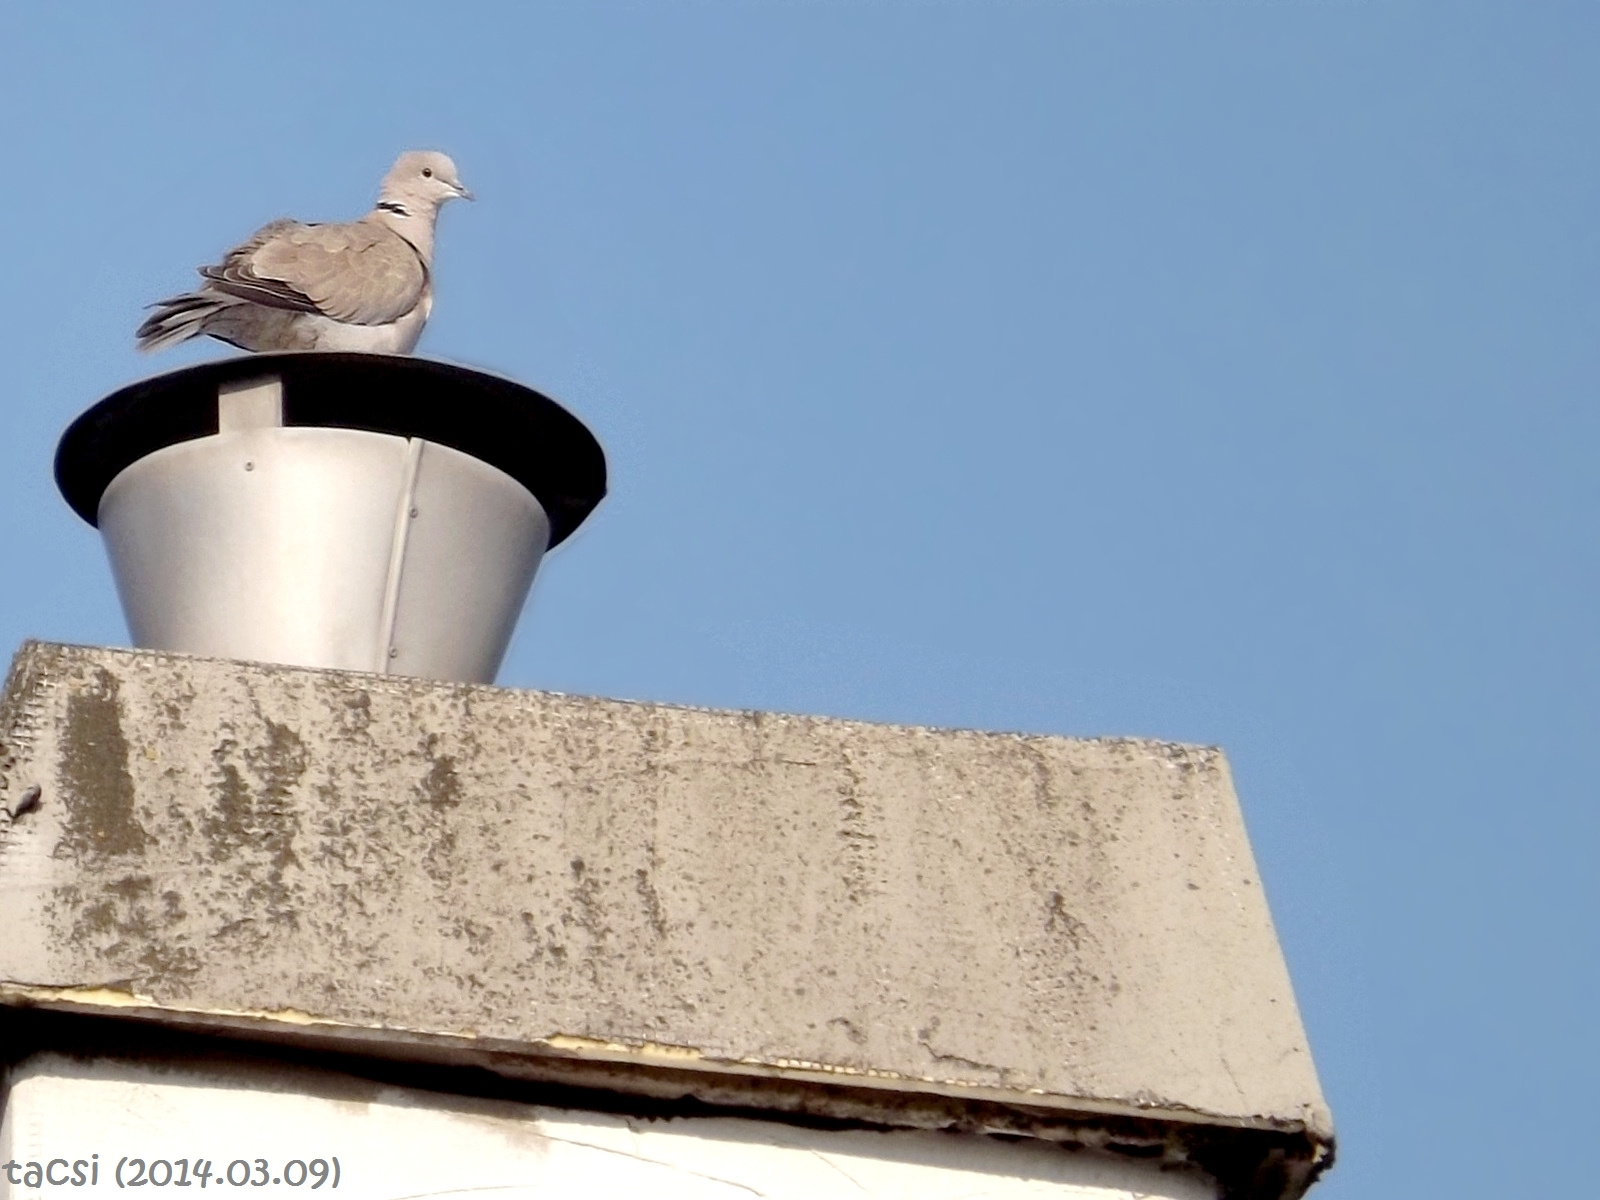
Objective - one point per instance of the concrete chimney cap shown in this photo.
(511, 427)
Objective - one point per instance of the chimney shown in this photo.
(274, 928)
(348, 511)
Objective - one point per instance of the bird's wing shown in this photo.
(360, 273)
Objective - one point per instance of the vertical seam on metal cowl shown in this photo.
(397, 554)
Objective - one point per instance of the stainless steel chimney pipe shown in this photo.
(357, 512)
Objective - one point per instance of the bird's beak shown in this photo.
(461, 190)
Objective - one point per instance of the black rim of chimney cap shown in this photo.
(514, 428)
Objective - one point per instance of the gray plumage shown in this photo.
(366, 285)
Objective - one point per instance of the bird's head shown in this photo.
(420, 181)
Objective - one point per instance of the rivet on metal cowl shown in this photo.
(352, 511)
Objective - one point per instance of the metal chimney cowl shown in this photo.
(352, 511)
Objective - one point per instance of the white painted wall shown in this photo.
(396, 1144)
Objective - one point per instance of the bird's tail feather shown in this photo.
(177, 320)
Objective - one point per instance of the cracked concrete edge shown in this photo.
(1265, 1160)
(558, 1049)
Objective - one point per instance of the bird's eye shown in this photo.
(427, 172)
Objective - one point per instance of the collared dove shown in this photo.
(362, 286)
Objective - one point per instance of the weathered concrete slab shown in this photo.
(1058, 926)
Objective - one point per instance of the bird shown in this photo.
(366, 285)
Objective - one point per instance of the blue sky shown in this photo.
(1223, 372)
